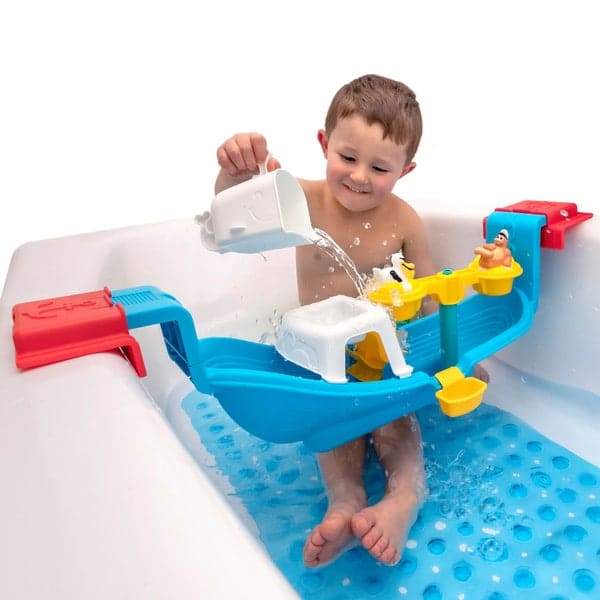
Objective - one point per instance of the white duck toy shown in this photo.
(400, 271)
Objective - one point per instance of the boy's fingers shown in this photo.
(259, 147)
(273, 164)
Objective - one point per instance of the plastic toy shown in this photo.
(400, 271)
(495, 254)
(281, 401)
(266, 212)
(491, 278)
(315, 336)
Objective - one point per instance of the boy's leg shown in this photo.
(342, 472)
(384, 527)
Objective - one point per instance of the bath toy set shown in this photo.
(300, 389)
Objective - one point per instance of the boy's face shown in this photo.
(362, 166)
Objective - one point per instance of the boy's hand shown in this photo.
(241, 155)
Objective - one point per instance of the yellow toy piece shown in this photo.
(495, 281)
(404, 303)
(446, 287)
(459, 394)
(370, 358)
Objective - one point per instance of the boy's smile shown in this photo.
(362, 165)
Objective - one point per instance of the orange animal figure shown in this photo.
(495, 254)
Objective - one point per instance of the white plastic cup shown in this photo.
(266, 212)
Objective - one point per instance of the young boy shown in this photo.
(372, 131)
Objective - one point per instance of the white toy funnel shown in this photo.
(266, 212)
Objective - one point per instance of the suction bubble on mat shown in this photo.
(509, 511)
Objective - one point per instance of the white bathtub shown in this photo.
(106, 493)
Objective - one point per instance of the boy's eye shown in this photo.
(347, 158)
(380, 169)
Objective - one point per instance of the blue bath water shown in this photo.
(509, 511)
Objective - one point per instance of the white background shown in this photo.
(111, 112)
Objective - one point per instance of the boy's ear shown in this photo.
(410, 167)
(323, 141)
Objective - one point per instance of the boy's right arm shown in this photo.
(239, 158)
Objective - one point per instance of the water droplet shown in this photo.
(564, 212)
(396, 297)
(492, 549)
(367, 225)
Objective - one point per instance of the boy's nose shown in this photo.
(359, 175)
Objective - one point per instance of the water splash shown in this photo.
(273, 323)
(492, 549)
(463, 486)
(325, 242)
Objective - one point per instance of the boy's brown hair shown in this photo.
(378, 99)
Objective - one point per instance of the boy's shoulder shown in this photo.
(401, 205)
(313, 186)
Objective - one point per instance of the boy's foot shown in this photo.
(383, 528)
(332, 536)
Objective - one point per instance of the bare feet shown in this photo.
(333, 535)
(383, 528)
